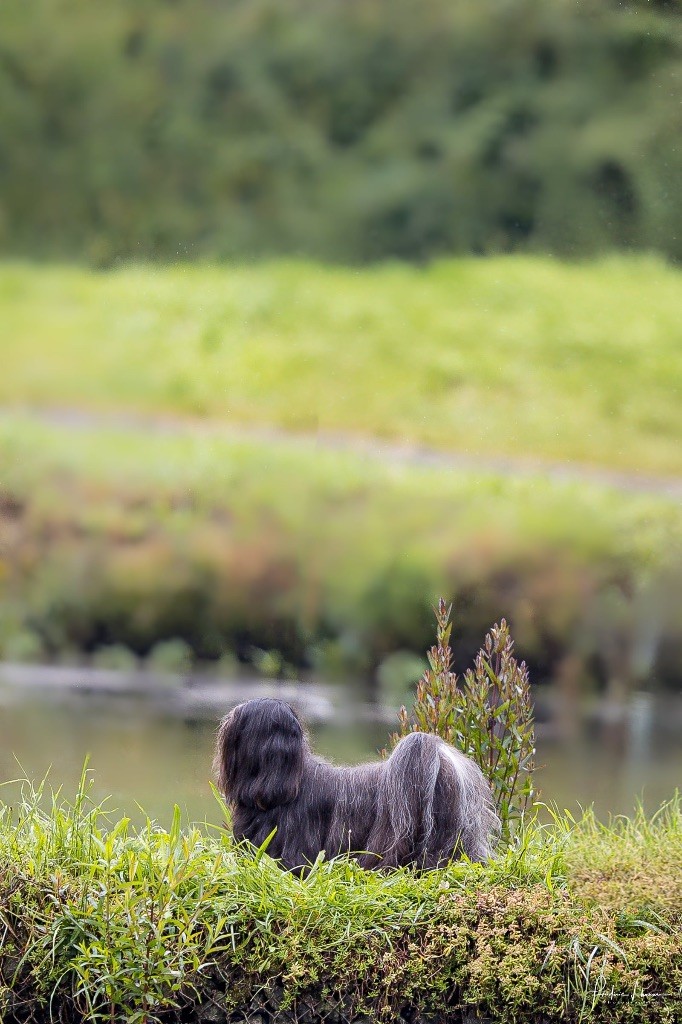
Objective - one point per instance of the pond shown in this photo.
(147, 760)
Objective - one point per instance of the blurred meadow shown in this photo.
(505, 356)
(311, 313)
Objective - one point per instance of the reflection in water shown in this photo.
(150, 762)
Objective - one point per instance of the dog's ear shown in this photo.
(259, 754)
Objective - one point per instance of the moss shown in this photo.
(184, 926)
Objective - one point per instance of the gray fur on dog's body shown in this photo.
(424, 805)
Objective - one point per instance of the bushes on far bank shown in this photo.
(328, 563)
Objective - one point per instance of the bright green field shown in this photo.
(517, 356)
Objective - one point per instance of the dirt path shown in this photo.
(391, 452)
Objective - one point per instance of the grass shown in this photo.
(527, 357)
(104, 922)
(605, 863)
(131, 537)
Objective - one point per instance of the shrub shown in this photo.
(488, 715)
(24, 645)
(170, 656)
(115, 656)
(227, 666)
(397, 676)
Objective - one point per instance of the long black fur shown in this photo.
(424, 805)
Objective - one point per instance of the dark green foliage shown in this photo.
(488, 715)
(347, 129)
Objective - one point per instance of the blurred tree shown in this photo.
(346, 129)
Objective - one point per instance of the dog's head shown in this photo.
(259, 754)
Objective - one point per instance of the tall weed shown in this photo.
(488, 714)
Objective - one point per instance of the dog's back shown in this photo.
(434, 804)
(424, 805)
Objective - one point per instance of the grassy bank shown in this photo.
(508, 356)
(127, 537)
(575, 922)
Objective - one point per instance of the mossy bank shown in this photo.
(574, 922)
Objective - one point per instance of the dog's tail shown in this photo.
(434, 804)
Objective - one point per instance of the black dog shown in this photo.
(424, 805)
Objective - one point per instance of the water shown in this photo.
(146, 761)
